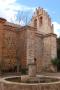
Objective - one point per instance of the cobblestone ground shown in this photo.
(44, 73)
(51, 74)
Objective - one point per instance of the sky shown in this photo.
(14, 10)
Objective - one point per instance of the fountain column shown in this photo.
(30, 53)
(32, 69)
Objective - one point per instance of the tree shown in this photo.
(24, 18)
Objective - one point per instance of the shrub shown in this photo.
(55, 62)
(24, 71)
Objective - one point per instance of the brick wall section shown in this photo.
(38, 51)
(7, 45)
(1, 43)
(22, 47)
(30, 51)
(9, 49)
(30, 46)
(49, 49)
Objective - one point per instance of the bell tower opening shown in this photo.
(40, 20)
(35, 23)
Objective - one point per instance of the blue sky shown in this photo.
(52, 6)
(12, 10)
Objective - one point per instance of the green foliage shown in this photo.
(24, 71)
(55, 62)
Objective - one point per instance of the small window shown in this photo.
(35, 60)
(35, 23)
(40, 20)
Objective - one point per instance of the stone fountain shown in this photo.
(30, 82)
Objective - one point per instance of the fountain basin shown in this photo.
(34, 83)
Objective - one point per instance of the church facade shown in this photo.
(24, 45)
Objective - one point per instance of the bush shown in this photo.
(24, 71)
(55, 62)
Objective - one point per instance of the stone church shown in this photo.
(35, 42)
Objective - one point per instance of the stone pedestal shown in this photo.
(32, 70)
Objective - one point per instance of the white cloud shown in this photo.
(57, 28)
(9, 9)
(4, 12)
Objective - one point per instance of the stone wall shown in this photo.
(30, 51)
(49, 50)
(1, 43)
(9, 49)
(22, 47)
(38, 51)
(7, 45)
(2, 21)
(45, 46)
(30, 46)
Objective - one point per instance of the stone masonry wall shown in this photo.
(1, 43)
(30, 51)
(46, 46)
(9, 49)
(42, 21)
(49, 50)
(30, 46)
(38, 53)
(22, 46)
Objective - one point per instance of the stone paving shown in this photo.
(43, 73)
(51, 74)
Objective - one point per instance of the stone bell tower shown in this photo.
(42, 21)
(45, 39)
